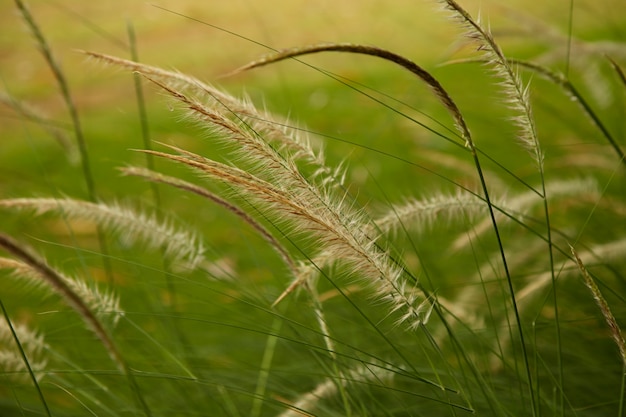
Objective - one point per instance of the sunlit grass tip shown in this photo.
(515, 93)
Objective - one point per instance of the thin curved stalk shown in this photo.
(156, 177)
(76, 123)
(407, 64)
(456, 114)
(31, 373)
(57, 283)
(618, 70)
(563, 82)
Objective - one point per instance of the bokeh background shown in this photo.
(208, 39)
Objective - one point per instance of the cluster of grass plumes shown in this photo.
(286, 289)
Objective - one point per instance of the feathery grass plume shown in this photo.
(602, 253)
(514, 208)
(105, 305)
(259, 155)
(269, 147)
(74, 300)
(307, 403)
(407, 64)
(538, 284)
(21, 270)
(516, 94)
(265, 161)
(184, 247)
(616, 331)
(419, 215)
(517, 97)
(560, 80)
(262, 123)
(203, 192)
(337, 227)
(439, 91)
(33, 343)
(24, 358)
(566, 85)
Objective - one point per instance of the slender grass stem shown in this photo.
(318, 310)
(403, 62)
(20, 348)
(557, 321)
(618, 70)
(266, 365)
(620, 410)
(65, 92)
(570, 32)
(478, 274)
(143, 113)
(460, 123)
(509, 280)
(563, 82)
(45, 49)
(57, 283)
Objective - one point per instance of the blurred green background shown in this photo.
(34, 164)
(387, 155)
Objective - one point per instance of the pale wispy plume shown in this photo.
(184, 247)
(335, 224)
(266, 171)
(518, 205)
(516, 94)
(537, 285)
(362, 374)
(104, 304)
(421, 214)
(62, 287)
(34, 345)
(206, 100)
(616, 331)
(203, 192)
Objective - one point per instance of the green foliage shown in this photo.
(438, 241)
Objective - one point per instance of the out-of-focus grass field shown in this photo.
(105, 97)
(413, 29)
(376, 143)
(34, 164)
(107, 106)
